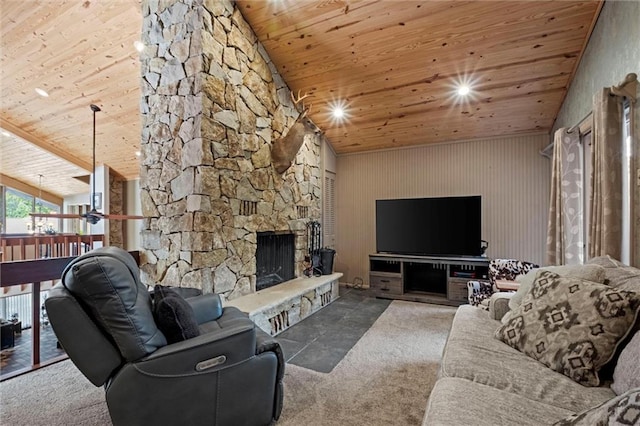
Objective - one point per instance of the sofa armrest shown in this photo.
(207, 307)
(499, 304)
(267, 343)
(264, 344)
(223, 347)
(187, 292)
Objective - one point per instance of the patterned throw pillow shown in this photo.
(570, 325)
(593, 273)
(621, 410)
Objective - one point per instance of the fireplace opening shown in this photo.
(275, 259)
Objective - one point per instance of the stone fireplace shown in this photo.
(275, 259)
(212, 105)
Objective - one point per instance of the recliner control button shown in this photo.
(208, 363)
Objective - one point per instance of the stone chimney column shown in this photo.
(212, 103)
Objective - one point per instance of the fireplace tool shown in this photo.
(314, 243)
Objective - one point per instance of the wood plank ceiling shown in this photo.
(394, 65)
(80, 52)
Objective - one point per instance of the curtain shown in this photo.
(605, 233)
(565, 231)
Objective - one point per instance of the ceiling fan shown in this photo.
(93, 216)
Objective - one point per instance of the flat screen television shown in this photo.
(443, 226)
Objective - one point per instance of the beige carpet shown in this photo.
(384, 380)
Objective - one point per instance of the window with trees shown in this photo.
(16, 206)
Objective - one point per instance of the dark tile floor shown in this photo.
(19, 356)
(320, 341)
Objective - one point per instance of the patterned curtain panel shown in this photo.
(565, 231)
(605, 233)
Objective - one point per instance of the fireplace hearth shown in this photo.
(275, 259)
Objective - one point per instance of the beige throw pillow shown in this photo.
(623, 278)
(617, 274)
(594, 273)
(605, 261)
(627, 372)
(570, 325)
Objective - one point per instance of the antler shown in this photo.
(299, 100)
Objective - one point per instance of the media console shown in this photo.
(430, 279)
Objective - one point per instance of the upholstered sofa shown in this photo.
(484, 381)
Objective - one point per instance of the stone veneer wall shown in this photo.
(212, 105)
(116, 206)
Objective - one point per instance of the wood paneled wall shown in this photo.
(508, 172)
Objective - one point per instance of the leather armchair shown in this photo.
(231, 374)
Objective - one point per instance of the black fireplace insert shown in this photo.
(275, 259)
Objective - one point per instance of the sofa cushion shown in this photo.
(605, 261)
(623, 278)
(595, 273)
(570, 325)
(173, 315)
(626, 375)
(472, 353)
(622, 410)
(617, 274)
(455, 401)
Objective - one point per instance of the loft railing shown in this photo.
(37, 246)
(33, 273)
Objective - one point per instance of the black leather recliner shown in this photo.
(231, 374)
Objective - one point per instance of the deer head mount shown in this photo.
(286, 147)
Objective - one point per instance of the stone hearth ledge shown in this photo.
(277, 308)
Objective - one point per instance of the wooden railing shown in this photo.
(37, 246)
(35, 272)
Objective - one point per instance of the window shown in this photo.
(625, 256)
(46, 224)
(586, 153)
(18, 205)
(585, 145)
(16, 208)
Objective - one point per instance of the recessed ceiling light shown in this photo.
(464, 90)
(42, 92)
(338, 111)
(5, 133)
(138, 45)
(138, 153)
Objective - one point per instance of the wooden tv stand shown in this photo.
(429, 279)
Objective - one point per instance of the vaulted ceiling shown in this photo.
(393, 65)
